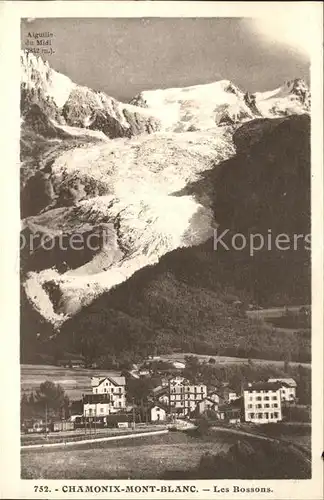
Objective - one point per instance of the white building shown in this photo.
(158, 414)
(288, 388)
(184, 396)
(96, 405)
(262, 403)
(114, 387)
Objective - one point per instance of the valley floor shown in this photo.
(171, 455)
(146, 458)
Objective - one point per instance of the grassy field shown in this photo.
(142, 458)
(75, 381)
(227, 360)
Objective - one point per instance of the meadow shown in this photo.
(142, 458)
(75, 381)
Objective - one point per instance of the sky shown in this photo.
(124, 56)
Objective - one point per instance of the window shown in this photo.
(250, 406)
(276, 415)
(274, 398)
(250, 398)
(266, 415)
(202, 389)
(252, 415)
(267, 405)
(259, 415)
(259, 406)
(266, 398)
(120, 389)
(120, 404)
(101, 410)
(258, 398)
(112, 389)
(275, 405)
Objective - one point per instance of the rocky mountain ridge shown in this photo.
(199, 107)
(141, 173)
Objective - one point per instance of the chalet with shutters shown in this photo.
(287, 390)
(114, 388)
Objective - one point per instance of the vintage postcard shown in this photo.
(163, 283)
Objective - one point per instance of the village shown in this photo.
(160, 393)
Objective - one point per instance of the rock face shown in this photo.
(70, 104)
(39, 78)
(140, 177)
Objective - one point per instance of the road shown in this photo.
(93, 440)
(273, 312)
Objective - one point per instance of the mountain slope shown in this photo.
(141, 179)
(188, 299)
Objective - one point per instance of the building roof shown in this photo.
(113, 379)
(206, 399)
(288, 381)
(262, 386)
(161, 407)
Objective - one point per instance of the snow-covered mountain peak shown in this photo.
(198, 107)
(79, 106)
